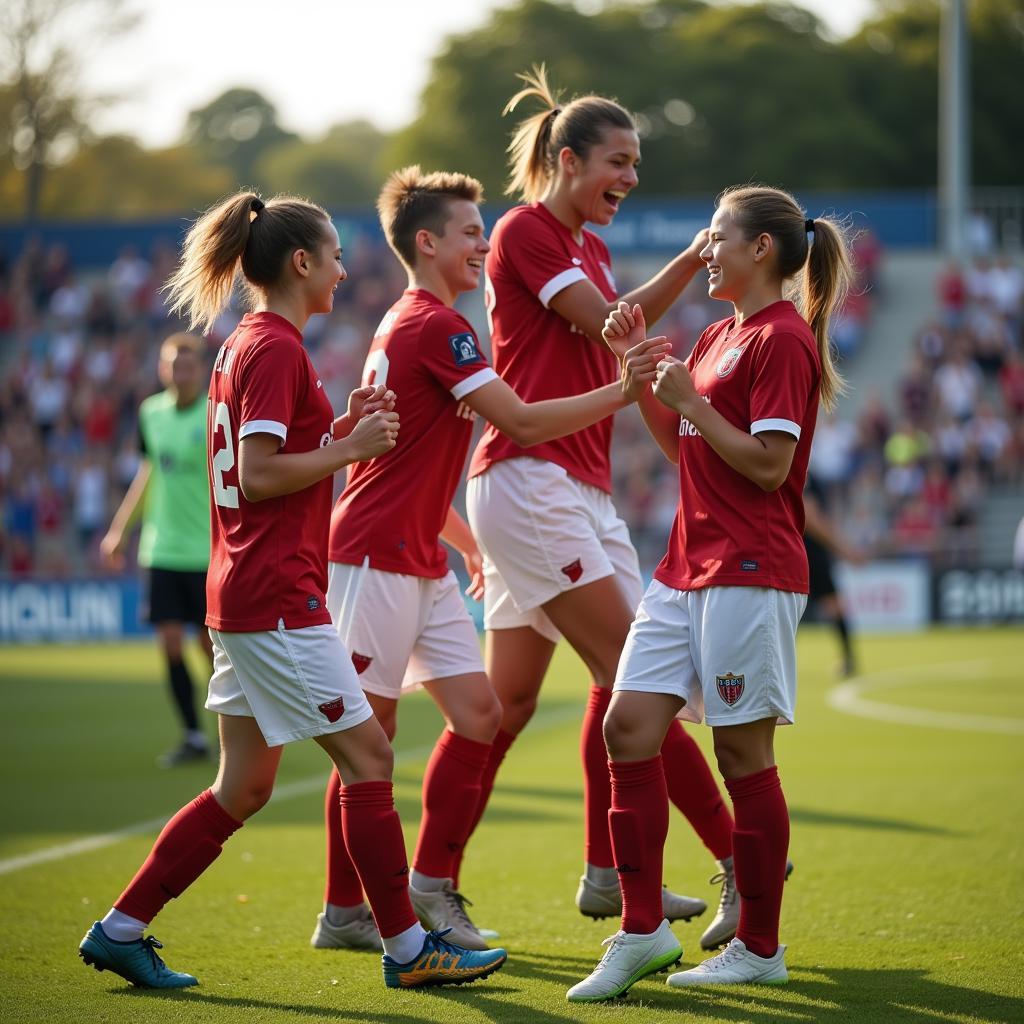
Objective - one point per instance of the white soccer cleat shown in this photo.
(358, 934)
(723, 928)
(601, 901)
(446, 909)
(627, 959)
(735, 965)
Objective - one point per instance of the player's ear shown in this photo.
(763, 246)
(301, 261)
(425, 242)
(569, 161)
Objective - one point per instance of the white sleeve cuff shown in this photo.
(558, 282)
(471, 383)
(786, 426)
(264, 427)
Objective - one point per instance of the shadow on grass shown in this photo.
(808, 816)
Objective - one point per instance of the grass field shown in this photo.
(907, 903)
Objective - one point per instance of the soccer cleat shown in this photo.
(360, 933)
(445, 910)
(627, 959)
(735, 965)
(601, 901)
(440, 962)
(136, 961)
(723, 928)
(187, 753)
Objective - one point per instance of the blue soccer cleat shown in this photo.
(137, 961)
(442, 963)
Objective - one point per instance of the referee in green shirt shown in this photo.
(171, 491)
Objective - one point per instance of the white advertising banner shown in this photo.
(886, 596)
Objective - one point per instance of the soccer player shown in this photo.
(715, 634)
(557, 557)
(280, 671)
(171, 491)
(390, 593)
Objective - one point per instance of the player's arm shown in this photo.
(764, 458)
(264, 471)
(583, 305)
(127, 514)
(457, 534)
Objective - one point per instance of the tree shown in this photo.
(236, 130)
(41, 55)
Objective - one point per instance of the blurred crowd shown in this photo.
(905, 476)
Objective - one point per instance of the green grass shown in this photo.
(906, 903)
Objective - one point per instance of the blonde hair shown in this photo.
(825, 263)
(411, 200)
(241, 233)
(538, 139)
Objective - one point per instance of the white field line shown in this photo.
(848, 698)
(288, 791)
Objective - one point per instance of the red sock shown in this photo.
(692, 788)
(343, 887)
(373, 835)
(499, 748)
(597, 785)
(451, 792)
(759, 848)
(189, 843)
(638, 822)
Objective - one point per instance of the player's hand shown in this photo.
(475, 567)
(112, 550)
(380, 399)
(624, 329)
(640, 366)
(374, 435)
(700, 240)
(673, 385)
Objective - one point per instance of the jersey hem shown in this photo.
(731, 580)
(267, 625)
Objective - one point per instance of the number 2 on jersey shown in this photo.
(224, 459)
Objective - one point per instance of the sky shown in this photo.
(328, 62)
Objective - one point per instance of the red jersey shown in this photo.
(267, 558)
(537, 352)
(763, 375)
(394, 507)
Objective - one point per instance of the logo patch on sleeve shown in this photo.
(730, 687)
(464, 350)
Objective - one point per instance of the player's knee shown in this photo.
(731, 757)
(516, 712)
(243, 801)
(620, 735)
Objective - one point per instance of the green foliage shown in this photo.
(903, 907)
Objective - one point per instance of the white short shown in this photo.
(296, 683)
(543, 532)
(402, 630)
(729, 652)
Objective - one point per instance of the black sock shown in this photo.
(182, 692)
(844, 638)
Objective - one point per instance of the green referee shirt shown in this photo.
(176, 515)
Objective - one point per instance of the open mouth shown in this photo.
(475, 264)
(714, 272)
(613, 198)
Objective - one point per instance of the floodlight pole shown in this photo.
(954, 130)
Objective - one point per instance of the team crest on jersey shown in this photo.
(332, 710)
(608, 275)
(361, 662)
(730, 687)
(728, 362)
(464, 350)
(574, 570)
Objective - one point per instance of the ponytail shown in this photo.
(534, 149)
(826, 265)
(240, 233)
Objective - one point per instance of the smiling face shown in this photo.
(326, 271)
(599, 183)
(731, 259)
(459, 252)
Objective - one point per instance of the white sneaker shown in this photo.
(627, 959)
(446, 908)
(723, 928)
(358, 934)
(735, 965)
(601, 901)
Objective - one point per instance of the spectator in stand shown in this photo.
(958, 384)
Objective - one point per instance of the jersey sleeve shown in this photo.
(271, 386)
(533, 248)
(451, 354)
(784, 374)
